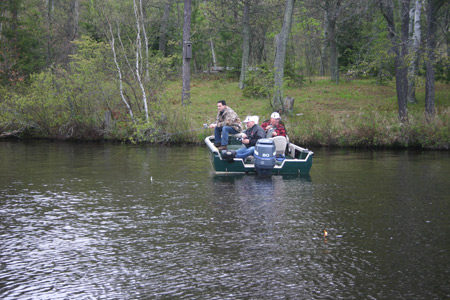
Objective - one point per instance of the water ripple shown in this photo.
(108, 232)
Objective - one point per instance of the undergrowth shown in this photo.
(358, 114)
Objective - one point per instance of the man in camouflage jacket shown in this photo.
(227, 121)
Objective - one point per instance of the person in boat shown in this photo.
(227, 121)
(273, 127)
(250, 136)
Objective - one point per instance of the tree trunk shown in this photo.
(415, 47)
(213, 53)
(325, 43)
(163, 28)
(334, 68)
(72, 27)
(245, 44)
(447, 29)
(403, 70)
(186, 91)
(146, 43)
(14, 8)
(431, 10)
(9, 60)
(49, 56)
(401, 80)
(75, 17)
(211, 42)
(138, 47)
(280, 57)
(332, 12)
(119, 71)
(2, 15)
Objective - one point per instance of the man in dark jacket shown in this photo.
(250, 136)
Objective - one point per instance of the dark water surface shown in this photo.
(130, 222)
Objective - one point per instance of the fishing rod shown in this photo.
(166, 136)
(205, 126)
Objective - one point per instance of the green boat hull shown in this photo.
(297, 160)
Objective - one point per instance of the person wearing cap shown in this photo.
(250, 136)
(227, 121)
(274, 127)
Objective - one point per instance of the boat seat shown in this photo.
(235, 135)
(235, 139)
(280, 144)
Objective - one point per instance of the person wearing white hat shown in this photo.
(250, 136)
(274, 127)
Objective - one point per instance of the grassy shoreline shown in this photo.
(356, 114)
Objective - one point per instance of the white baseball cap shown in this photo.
(275, 115)
(251, 118)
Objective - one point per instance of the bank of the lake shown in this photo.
(358, 114)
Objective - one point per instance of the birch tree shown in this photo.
(138, 52)
(280, 57)
(146, 45)
(119, 70)
(139, 71)
(416, 38)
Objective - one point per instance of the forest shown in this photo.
(151, 70)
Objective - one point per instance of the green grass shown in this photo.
(359, 113)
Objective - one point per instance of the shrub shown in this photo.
(258, 83)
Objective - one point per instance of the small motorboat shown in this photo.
(272, 156)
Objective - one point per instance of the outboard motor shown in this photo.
(264, 156)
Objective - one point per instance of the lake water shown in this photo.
(102, 221)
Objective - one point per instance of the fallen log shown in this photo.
(12, 134)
